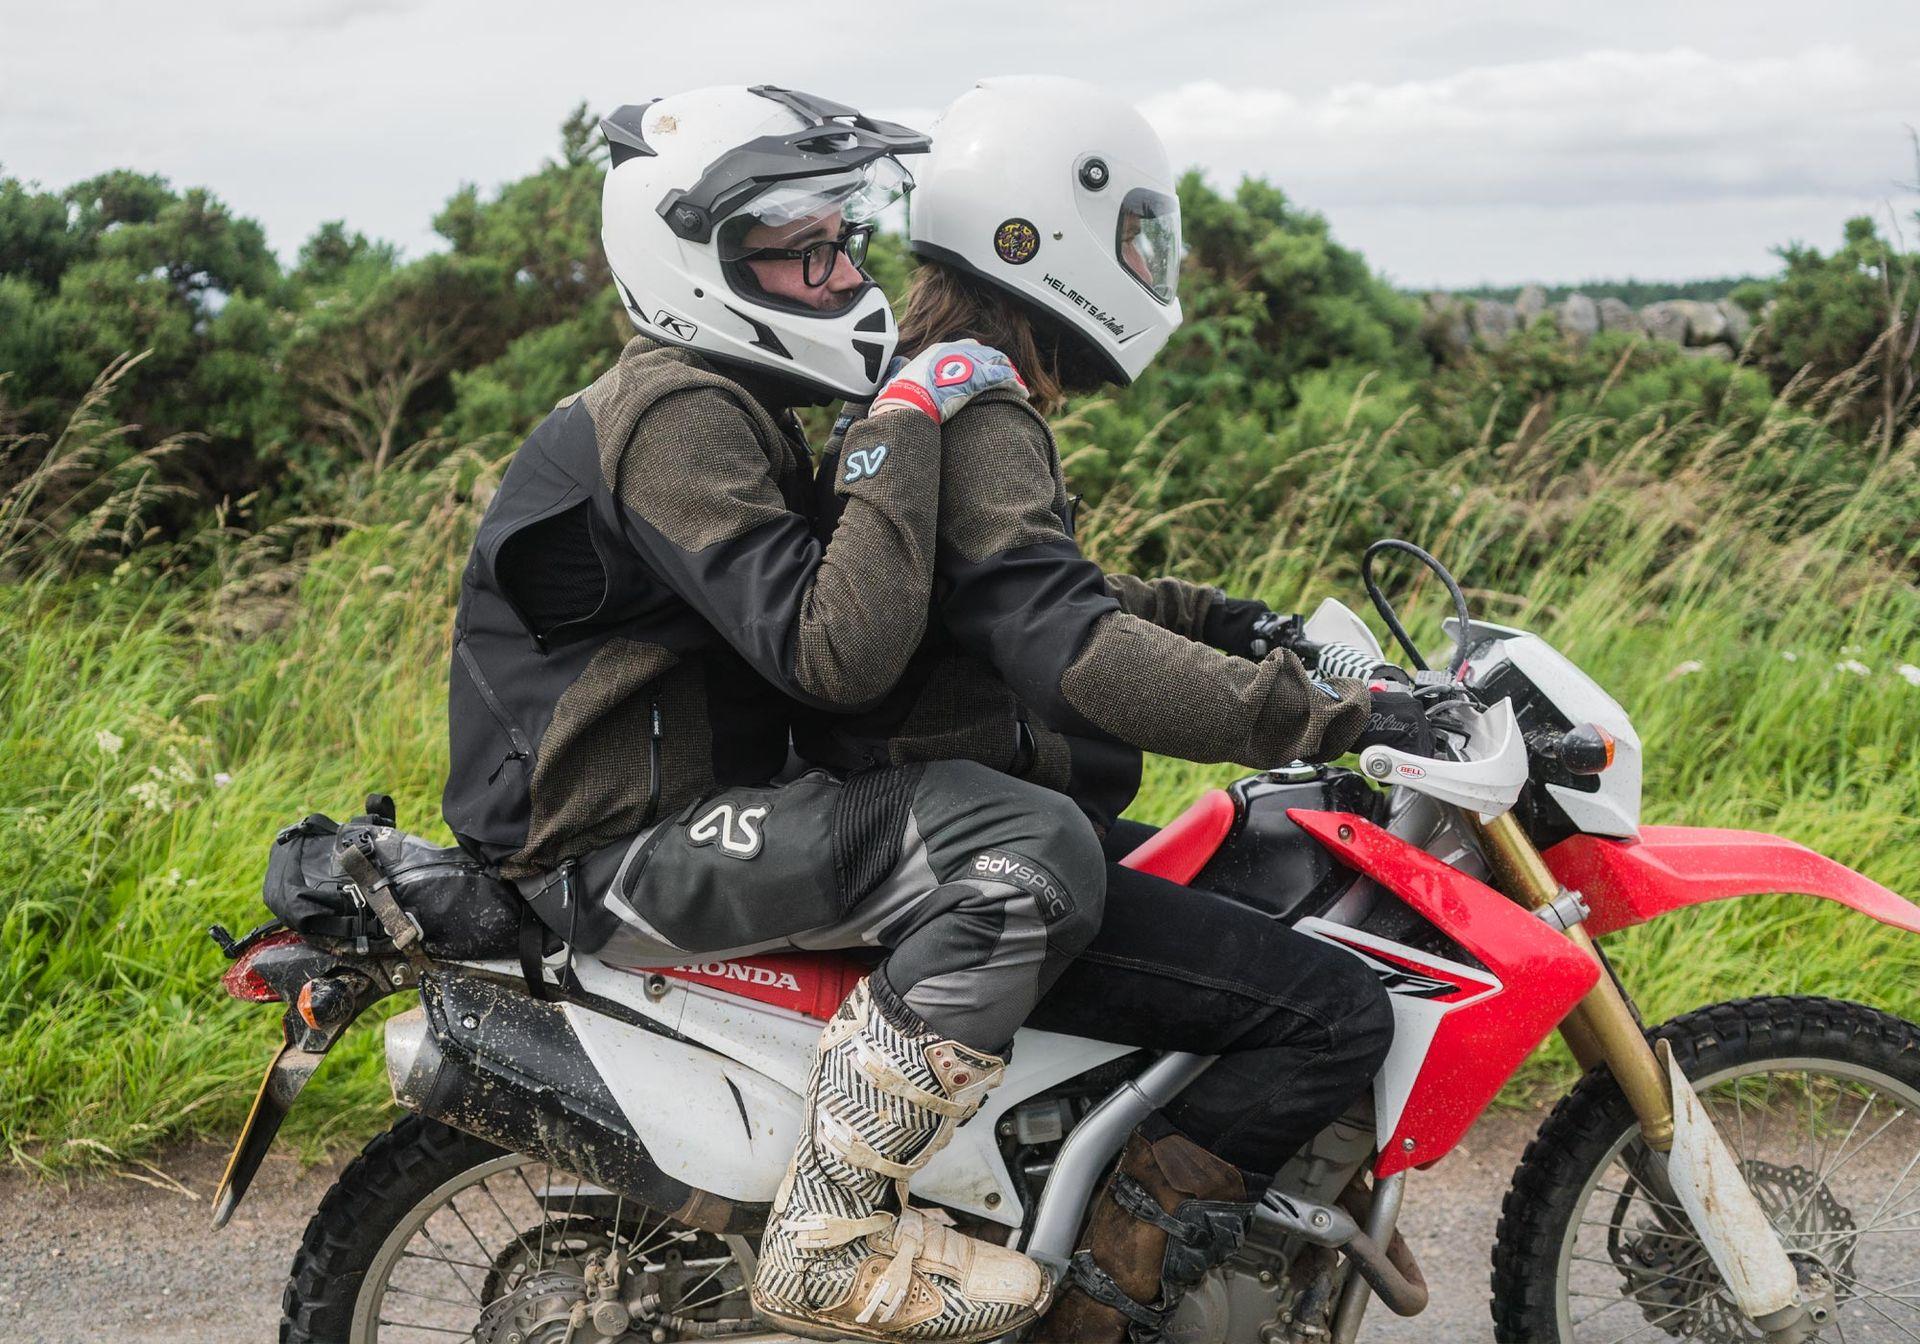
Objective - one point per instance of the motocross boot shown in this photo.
(844, 1255)
(1170, 1212)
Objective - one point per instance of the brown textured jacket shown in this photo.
(647, 602)
(1038, 664)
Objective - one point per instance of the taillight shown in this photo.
(242, 981)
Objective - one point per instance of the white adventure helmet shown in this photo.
(1060, 194)
(694, 174)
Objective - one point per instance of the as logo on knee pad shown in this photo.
(999, 866)
(736, 830)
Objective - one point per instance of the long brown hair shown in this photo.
(947, 304)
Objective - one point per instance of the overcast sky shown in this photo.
(1452, 143)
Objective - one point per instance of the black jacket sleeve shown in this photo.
(833, 625)
(1021, 596)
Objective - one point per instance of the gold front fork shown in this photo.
(1602, 1025)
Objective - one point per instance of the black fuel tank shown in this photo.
(1270, 863)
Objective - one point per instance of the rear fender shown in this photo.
(324, 995)
(1668, 868)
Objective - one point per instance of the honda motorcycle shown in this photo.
(592, 1148)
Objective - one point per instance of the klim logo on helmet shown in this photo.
(1094, 310)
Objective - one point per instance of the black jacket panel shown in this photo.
(581, 706)
(1083, 683)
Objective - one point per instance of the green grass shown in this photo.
(164, 719)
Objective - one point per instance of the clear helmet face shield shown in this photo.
(1147, 241)
(800, 247)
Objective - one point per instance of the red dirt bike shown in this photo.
(594, 1146)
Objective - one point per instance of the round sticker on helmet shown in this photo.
(952, 371)
(1016, 242)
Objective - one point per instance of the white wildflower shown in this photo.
(1790, 656)
(1686, 669)
(152, 795)
(1853, 665)
(221, 779)
(1910, 672)
(109, 742)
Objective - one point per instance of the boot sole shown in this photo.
(799, 1321)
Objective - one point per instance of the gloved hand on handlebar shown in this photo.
(1250, 628)
(1396, 719)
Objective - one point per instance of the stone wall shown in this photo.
(1714, 330)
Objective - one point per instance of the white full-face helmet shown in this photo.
(1061, 194)
(704, 185)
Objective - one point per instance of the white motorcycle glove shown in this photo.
(941, 379)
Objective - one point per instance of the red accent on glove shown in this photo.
(906, 396)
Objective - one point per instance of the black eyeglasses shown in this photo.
(817, 260)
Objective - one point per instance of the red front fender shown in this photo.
(1629, 882)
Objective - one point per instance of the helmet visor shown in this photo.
(1147, 242)
(801, 246)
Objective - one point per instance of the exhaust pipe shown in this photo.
(508, 1069)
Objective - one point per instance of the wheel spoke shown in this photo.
(435, 1329)
(1820, 1144)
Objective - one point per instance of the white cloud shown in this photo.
(1608, 162)
(1601, 126)
(1517, 141)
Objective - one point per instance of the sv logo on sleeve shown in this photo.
(864, 462)
(737, 831)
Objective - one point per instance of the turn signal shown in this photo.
(325, 1003)
(1587, 749)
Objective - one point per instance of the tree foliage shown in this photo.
(1855, 308)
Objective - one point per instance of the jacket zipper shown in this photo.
(522, 749)
(653, 763)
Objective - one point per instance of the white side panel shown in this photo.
(1414, 1019)
(969, 1173)
(776, 1047)
(714, 1124)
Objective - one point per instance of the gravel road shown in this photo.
(131, 1258)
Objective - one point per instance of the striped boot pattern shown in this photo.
(844, 1256)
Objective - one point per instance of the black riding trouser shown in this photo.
(1300, 1026)
(981, 886)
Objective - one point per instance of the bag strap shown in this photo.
(533, 949)
(357, 857)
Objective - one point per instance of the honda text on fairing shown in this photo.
(593, 1147)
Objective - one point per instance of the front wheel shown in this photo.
(1820, 1102)
(431, 1234)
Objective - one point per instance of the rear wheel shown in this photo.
(432, 1235)
(1820, 1102)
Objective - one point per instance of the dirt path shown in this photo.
(117, 1259)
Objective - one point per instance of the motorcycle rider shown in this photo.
(1048, 227)
(645, 605)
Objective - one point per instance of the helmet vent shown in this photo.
(622, 132)
(762, 334)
